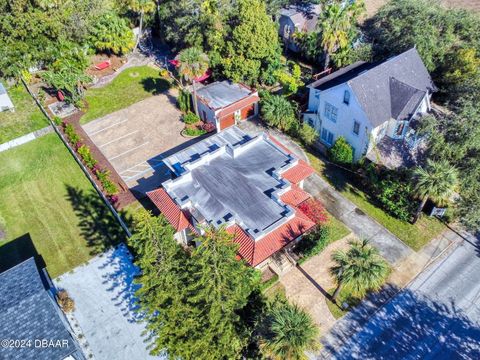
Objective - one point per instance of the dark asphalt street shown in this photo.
(436, 317)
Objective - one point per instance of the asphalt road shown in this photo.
(436, 317)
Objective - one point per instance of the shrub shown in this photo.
(314, 242)
(395, 197)
(190, 118)
(72, 135)
(183, 101)
(57, 120)
(109, 187)
(86, 155)
(113, 199)
(194, 131)
(102, 175)
(278, 112)
(341, 152)
(66, 302)
(209, 127)
(307, 134)
(314, 210)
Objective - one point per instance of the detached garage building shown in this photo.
(225, 103)
(5, 102)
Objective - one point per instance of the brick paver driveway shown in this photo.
(137, 138)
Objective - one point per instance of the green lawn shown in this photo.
(338, 230)
(415, 236)
(132, 85)
(343, 298)
(26, 118)
(44, 193)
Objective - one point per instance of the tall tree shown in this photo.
(360, 268)
(338, 26)
(221, 289)
(163, 280)
(141, 7)
(436, 181)
(289, 332)
(252, 50)
(193, 64)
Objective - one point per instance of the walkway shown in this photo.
(25, 138)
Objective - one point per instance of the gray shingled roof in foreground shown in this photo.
(221, 94)
(28, 312)
(236, 181)
(372, 85)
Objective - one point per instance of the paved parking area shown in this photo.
(103, 292)
(137, 138)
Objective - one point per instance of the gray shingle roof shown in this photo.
(28, 312)
(220, 94)
(305, 16)
(379, 96)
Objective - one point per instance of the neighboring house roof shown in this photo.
(219, 95)
(305, 17)
(389, 89)
(239, 183)
(28, 312)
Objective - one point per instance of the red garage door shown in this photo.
(248, 111)
(227, 121)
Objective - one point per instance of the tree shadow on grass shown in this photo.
(97, 224)
(155, 86)
(410, 326)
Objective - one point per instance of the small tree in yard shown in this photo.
(289, 332)
(314, 242)
(193, 64)
(278, 112)
(315, 211)
(69, 79)
(341, 152)
(435, 181)
(361, 268)
(307, 134)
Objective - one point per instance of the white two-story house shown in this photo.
(374, 106)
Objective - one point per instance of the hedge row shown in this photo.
(103, 175)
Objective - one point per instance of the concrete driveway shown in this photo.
(103, 292)
(137, 138)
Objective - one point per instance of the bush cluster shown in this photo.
(190, 118)
(315, 211)
(314, 242)
(86, 155)
(341, 152)
(183, 101)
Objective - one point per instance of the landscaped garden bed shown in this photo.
(414, 235)
(195, 127)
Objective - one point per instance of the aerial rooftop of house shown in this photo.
(29, 312)
(233, 179)
(220, 94)
(389, 89)
(305, 17)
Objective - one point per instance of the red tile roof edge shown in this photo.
(170, 209)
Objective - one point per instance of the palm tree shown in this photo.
(193, 63)
(277, 111)
(337, 23)
(361, 268)
(290, 332)
(141, 7)
(436, 181)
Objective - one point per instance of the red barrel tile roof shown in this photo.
(169, 209)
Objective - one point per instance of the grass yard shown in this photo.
(343, 298)
(132, 85)
(415, 236)
(338, 230)
(44, 193)
(26, 118)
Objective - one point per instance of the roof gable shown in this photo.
(373, 88)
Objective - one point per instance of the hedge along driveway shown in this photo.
(44, 193)
(132, 85)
